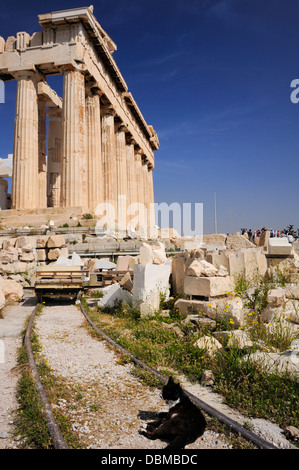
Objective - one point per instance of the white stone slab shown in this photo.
(114, 293)
(150, 281)
(104, 264)
(208, 286)
(279, 246)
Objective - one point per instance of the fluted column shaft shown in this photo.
(95, 183)
(122, 177)
(42, 152)
(139, 178)
(74, 168)
(131, 184)
(25, 151)
(142, 222)
(131, 174)
(54, 156)
(145, 187)
(151, 197)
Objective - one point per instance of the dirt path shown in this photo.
(11, 326)
(106, 416)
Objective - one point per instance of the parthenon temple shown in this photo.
(91, 146)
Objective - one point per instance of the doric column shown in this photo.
(131, 172)
(95, 182)
(150, 186)
(122, 177)
(42, 152)
(131, 182)
(54, 156)
(146, 188)
(74, 168)
(139, 176)
(25, 151)
(109, 162)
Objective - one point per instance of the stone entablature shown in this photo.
(99, 143)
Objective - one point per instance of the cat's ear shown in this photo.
(170, 380)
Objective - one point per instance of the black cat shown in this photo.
(183, 423)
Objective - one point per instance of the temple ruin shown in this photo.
(98, 147)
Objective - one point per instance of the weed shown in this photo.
(250, 388)
(257, 297)
(146, 377)
(30, 423)
(242, 283)
(98, 294)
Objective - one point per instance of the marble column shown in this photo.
(25, 150)
(145, 187)
(95, 184)
(131, 182)
(109, 163)
(146, 190)
(74, 168)
(142, 222)
(122, 176)
(54, 156)
(139, 176)
(42, 152)
(131, 172)
(151, 197)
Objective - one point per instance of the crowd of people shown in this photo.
(273, 233)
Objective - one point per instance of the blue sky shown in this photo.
(213, 77)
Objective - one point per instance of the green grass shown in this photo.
(29, 422)
(243, 384)
(247, 387)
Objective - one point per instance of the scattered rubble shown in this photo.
(22, 254)
(202, 276)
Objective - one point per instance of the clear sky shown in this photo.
(214, 79)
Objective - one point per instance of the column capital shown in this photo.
(130, 139)
(108, 110)
(139, 152)
(145, 160)
(73, 67)
(92, 89)
(33, 74)
(120, 127)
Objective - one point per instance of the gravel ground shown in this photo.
(8, 402)
(11, 326)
